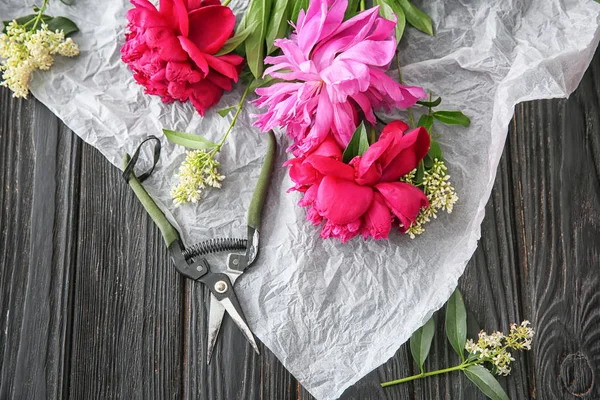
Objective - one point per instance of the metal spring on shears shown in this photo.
(214, 246)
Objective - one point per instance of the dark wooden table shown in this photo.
(90, 307)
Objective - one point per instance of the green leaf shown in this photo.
(278, 25)
(225, 111)
(258, 11)
(188, 140)
(387, 9)
(452, 118)
(426, 121)
(267, 81)
(420, 342)
(431, 104)
(358, 144)
(298, 5)
(68, 2)
(54, 23)
(428, 162)
(416, 17)
(456, 323)
(240, 35)
(418, 181)
(486, 382)
(62, 23)
(435, 151)
(24, 20)
(352, 9)
(473, 328)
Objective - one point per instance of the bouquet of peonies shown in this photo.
(326, 85)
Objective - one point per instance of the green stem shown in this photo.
(426, 374)
(430, 100)
(235, 117)
(362, 5)
(411, 118)
(226, 3)
(39, 16)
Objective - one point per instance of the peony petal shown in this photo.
(310, 196)
(345, 118)
(345, 36)
(192, 5)
(404, 200)
(221, 65)
(146, 18)
(365, 105)
(167, 12)
(395, 127)
(370, 173)
(344, 79)
(221, 81)
(322, 126)
(398, 95)
(405, 154)
(344, 232)
(312, 25)
(179, 90)
(179, 71)
(368, 170)
(379, 53)
(210, 27)
(342, 201)
(195, 54)
(384, 29)
(144, 4)
(205, 95)
(330, 167)
(303, 173)
(329, 148)
(181, 16)
(377, 221)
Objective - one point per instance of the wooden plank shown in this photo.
(39, 159)
(538, 257)
(98, 312)
(558, 144)
(128, 299)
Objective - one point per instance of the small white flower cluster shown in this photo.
(494, 348)
(440, 193)
(198, 171)
(25, 51)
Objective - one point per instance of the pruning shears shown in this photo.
(190, 262)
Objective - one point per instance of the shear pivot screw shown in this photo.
(221, 287)
(235, 261)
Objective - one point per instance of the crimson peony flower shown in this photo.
(171, 51)
(330, 69)
(363, 197)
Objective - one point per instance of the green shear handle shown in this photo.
(169, 233)
(262, 186)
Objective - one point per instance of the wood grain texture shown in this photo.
(37, 244)
(127, 299)
(90, 307)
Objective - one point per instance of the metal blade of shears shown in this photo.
(235, 312)
(215, 318)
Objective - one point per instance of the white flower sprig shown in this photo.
(489, 349)
(25, 49)
(494, 348)
(439, 191)
(198, 171)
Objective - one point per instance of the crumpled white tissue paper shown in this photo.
(333, 312)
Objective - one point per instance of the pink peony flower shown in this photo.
(330, 69)
(171, 50)
(363, 197)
